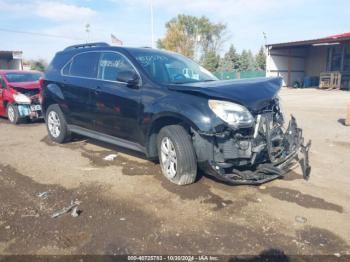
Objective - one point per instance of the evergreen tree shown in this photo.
(260, 59)
(210, 61)
(230, 61)
(247, 61)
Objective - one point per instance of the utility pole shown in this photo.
(87, 30)
(265, 42)
(152, 24)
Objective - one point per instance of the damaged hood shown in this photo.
(31, 89)
(25, 85)
(254, 93)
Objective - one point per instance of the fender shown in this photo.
(52, 94)
(196, 115)
(55, 91)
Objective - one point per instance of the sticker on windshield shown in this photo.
(147, 60)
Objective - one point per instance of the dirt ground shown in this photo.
(127, 207)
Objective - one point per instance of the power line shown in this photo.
(37, 34)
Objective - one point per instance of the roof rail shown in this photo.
(87, 45)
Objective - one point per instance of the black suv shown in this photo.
(168, 107)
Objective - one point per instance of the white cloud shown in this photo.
(63, 12)
(52, 10)
(222, 8)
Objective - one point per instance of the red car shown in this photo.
(20, 95)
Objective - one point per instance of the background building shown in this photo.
(11, 60)
(301, 60)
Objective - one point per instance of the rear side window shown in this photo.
(111, 64)
(84, 65)
(66, 69)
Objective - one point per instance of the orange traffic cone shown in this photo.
(347, 120)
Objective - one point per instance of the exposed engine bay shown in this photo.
(255, 155)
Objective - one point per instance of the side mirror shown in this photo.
(128, 77)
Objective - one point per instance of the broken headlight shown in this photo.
(233, 114)
(21, 99)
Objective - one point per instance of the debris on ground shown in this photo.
(262, 187)
(7, 227)
(110, 157)
(71, 207)
(337, 254)
(122, 219)
(43, 195)
(75, 212)
(300, 219)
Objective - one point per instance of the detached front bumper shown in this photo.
(33, 111)
(267, 155)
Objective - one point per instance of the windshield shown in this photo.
(22, 77)
(171, 68)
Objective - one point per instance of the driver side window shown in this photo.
(111, 64)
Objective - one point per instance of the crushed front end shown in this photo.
(28, 102)
(257, 154)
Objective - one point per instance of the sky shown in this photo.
(60, 23)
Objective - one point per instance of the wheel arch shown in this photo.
(160, 122)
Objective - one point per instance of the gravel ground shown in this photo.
(127, 207)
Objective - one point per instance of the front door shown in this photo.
(116, 106)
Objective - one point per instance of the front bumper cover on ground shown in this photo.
(296, 153)
(33, 111)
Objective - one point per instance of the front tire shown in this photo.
(56, 125)
(13, 114)
(176, 155)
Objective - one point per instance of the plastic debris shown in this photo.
(43, 195)
(122, 219)
(110, 157)
(300, 219)
(75, 212)
(68, 209)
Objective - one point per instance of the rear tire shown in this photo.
(13, 114)
(176, 155)
(56, 125)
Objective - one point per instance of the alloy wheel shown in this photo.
(168, 157)
(11, 114)
(54, 124)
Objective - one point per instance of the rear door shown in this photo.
(79, 80)
(116, 106)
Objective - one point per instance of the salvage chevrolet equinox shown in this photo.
(169, 108)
